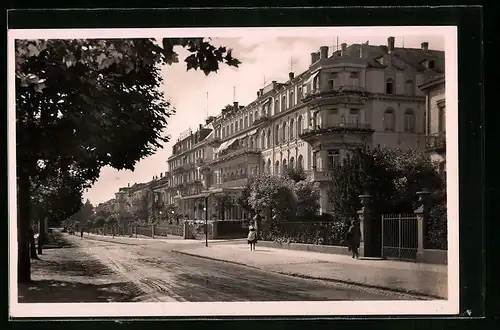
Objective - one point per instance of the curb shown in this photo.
(395, 290)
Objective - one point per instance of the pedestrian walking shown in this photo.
(252, 238)
(81, 233)
(354, 239)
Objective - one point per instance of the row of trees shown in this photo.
(84, 104)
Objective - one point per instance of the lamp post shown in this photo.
(205, 208)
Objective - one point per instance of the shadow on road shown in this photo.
(53, 291)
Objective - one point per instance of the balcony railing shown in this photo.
(341, 127)
(336, 91)
(184, 167)
(234, 153)
(236, 181)
(436, 141)
(200, 161)
(260, 120)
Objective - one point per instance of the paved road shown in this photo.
(149, 271)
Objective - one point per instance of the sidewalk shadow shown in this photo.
(68, 267)
(52, 291)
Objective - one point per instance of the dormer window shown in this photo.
(389, 86)
(431, 64)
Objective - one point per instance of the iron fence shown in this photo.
(399, 236)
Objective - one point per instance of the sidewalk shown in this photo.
(408, 277)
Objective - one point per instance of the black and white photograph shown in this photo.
(233, 171)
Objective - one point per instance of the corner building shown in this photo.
(360, 95)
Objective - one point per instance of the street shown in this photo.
(96, 269)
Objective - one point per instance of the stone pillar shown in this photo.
(187, 231)
(323, 154)
(365, 224)
(422, 213)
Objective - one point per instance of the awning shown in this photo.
(225, 145)
(312, 77)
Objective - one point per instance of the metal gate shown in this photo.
(399, 236)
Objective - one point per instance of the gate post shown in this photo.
(422, 213)
(186, 232)
(364, 215)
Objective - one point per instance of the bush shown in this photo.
(319, 233)
(437, 231)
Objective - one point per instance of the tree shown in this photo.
(100, 100)
(392, 177)
(307, 196)
(99, 222)
(222, 203)
(243, 199)
(112, 222)
(295, 174)
(273, 195)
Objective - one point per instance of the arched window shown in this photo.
(276, 105)
(300, 162)
(255, 115)
(276, 134)
(409, 121)
(284, 166)
(292, 162)
(291, 102)
(269, 138)
(389, 86)
(283, 103)
(236, 126)
(290, 134)
(317, 118)
(250, 118)
(389, 120)
(251, 144)
(246, 121)
(263, 140)
(409, 87)
(277, 167)
(283, 132)
(299, 125)
(269, 166)
(223, 132)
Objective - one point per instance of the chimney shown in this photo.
(424, 46)
(291, 75)
(128, 185)
(343, 48)
(200, 126)
(323, 51)
(313, 58)
(274, 82)
(258, 93)
(261, 91)
(161, 175)
(390, 44)
(235, 105)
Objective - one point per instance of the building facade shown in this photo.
(360, 95)
(435, 119)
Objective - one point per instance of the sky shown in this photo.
(264, 58)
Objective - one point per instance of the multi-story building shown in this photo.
(435, 119)
(108, 207)
(361, 95)
(189, 153)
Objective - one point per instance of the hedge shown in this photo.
(319, 233)
(437, 231)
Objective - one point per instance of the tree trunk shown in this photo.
(32, 243)
(41, 235)
(23, 226)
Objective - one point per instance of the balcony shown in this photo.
(341, 94)
(349, 133)
(232, 182)
(231, 153)
(183, 167)
(436, 142)
(260, 120)
(200, 161)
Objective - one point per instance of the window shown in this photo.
(292, 162)
(246, 121)
(389, 120)
(316, 83)
(241, 123)
(409, 121)
(251, 142)
(353, 117)
(263, 140)
(291, 102)
(255, 115)
(223, 132)
(354, 75)
(250, 120)
(389, 86)
(291, 130)
(283, 132)
(268, 138)
(276, 134)
(300, 162)
(331, 84)
(431, 64)
(409, 87)
(269, 166)
(276, 106)
(277, 167)
(284, 165)
(299, 125)
(300, 92)
(441, 119)
(232, 128)
(283, 103)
